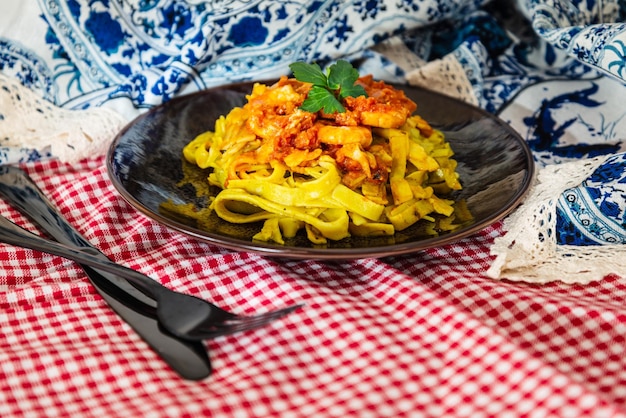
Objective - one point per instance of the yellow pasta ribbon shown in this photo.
(332, 223)
(303, 193)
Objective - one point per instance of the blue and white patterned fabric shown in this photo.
(81, 53)
(91, 51)
(594, 212)
(554, 69)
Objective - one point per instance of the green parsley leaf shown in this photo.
(328, 90)
(320, 98)
(352, 91)
(308, 73)
(341, 74)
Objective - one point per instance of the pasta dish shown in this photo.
(370, 170)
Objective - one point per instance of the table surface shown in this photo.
(426, 334)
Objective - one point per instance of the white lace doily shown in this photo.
(446, 76)
(529, 251)
(31, 126)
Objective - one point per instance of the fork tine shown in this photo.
(267, 316)
(222, 331)
(242, 323)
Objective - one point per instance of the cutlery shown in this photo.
(183, 315)
(189, 359)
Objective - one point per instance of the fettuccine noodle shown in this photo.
(370, 171)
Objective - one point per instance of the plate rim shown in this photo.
(293, 252)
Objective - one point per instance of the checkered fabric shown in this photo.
(422, 335)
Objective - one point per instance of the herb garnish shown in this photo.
(328, 89)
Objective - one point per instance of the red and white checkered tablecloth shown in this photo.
(419, 335)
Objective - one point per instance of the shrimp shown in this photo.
(351, 157)
(274, 112)
(341, 135)
(384, 106)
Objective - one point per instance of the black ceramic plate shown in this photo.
(146, 166)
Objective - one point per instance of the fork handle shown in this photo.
(13, 234)
(23, 193)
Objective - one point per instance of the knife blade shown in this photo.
(187, 358)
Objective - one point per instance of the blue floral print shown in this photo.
(594, 213)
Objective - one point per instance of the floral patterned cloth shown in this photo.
(594, 212)
(90, 52)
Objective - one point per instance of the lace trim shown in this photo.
(529, 251)
(446, 76)
(31, 126)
